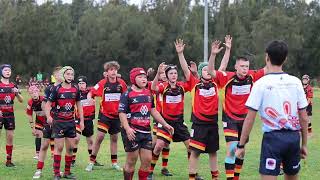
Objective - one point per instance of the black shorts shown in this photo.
(64, 129)
(47, 131)
(232, 128)
(39, 125)
(204, 138)
(309, 110)
(88, 128)
(108, 125)
(181, 132)
(280, 147)
(8, 123)
(142, 141)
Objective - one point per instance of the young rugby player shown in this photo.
(36, 105)
(309, 94)
(204, 130)
(47, 129)
(110, 89)
(282, 104)
(136, 106)
(236, 86)
(88, 107)
(8, 92)
(172, 109)
(65, 96)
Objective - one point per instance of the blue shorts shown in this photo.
(278, 147)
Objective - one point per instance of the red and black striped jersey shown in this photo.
(65, 100)
(36, 107)
(87, 106)
(309, 92)
(137, 106)
(110, 93)
(205, 101)
(236, 92)
(172, 104)
(7, 96)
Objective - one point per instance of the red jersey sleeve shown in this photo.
(310, 92)
(186, 86)
(222, 78)
(29, 110)
(256, 74)
(192, 81)
(161, 87)
(97, 90)
(149, 86)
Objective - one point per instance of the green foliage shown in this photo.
(85, 34)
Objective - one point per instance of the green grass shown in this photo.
(26, 165)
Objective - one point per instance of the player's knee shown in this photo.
(194, 154)
(131, 163)
(232, 148)
(44, 146)
(100, 138)
(114, 138)
(230, 159)
(58, 148)
(76, 140)
(158, 147)
(90, 142)
(9, 136)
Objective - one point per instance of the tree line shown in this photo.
(87, 33)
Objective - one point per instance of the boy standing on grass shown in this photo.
(282, 104)
(47, 129)
(136, 106)
(8, 92)
(110, 89)
(309, 94)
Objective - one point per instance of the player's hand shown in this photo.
(169, 128)
(49, 120)
(303, 152)
(81, 125)
(150, 71)
(228, 41)
(179, 46)
(131, 133)
(34, 133)
(240, 153)
(161, 68)
(215, 47)
(16, 90)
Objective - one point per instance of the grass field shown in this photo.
(24, 151)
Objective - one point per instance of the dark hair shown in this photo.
(277, 52)
(243, 58)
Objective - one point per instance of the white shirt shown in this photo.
(278, 97)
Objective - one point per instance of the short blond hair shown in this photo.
(111, 64)
(57, 69)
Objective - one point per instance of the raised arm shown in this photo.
(226, 56)
(184, 65)
(194, 70)
(155, 81)
(215, 49)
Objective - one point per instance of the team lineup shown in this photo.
(67, 110)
